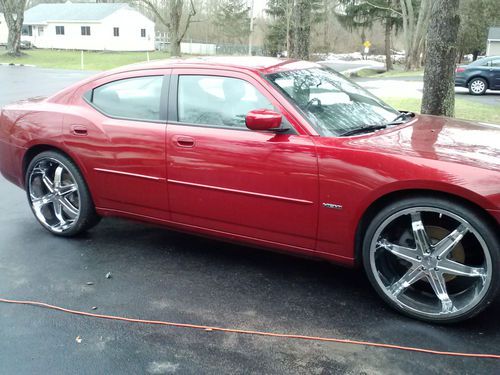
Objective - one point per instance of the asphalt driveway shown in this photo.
(163, 275)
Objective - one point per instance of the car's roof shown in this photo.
(260, 64)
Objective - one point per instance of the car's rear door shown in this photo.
(225, 177)
(117, 130)
(495, 73)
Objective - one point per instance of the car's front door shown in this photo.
(225, 177)
(495, 73)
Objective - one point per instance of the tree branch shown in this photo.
(384, 8)
(192, 13)
(153, 7)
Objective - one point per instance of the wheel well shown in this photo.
(484, 78)
(383, 201)
(35, 150)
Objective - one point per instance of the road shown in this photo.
(413, 86)
(163, 275)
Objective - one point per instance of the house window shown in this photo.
(27, 30)
(40, 30)
(116, 31)
(59, 30)
(143, 33)
(85, 30)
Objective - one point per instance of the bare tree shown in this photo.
(14, 16)
(170, 14)
(442, 41)
(415, 21)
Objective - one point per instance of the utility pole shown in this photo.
(252, 2)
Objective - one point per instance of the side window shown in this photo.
(495, 63)
(132, 98)
(217, 101)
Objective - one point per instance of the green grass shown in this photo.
(464, 109)
(397, 72)
(46, 58)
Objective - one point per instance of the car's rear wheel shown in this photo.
(433, 259)
(58, 195)
(478, 86)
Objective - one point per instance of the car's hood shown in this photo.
(441, 138)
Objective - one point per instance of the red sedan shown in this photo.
(281, 154)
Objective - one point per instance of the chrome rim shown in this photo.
(477, 86)
(431, 262)
(54, 195)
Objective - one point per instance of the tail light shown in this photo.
(460, 70)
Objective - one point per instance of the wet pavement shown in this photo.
(163, 275)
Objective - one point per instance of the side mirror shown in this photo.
(263, 119)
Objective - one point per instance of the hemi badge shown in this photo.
(332, 205)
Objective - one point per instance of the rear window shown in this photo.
(133, 98)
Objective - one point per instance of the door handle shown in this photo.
(79, 130)
(183, 141)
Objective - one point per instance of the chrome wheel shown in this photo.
(54, 195)
(430, 262)
(477, 86)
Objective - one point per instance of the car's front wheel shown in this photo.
(58, 195)
(478, 86)
(433, 259)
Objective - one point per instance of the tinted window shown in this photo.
(218, 101)
(133, 98)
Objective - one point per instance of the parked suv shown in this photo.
(479, 75)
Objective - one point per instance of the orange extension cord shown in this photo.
(247, 332)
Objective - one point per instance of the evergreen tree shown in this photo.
(233, 20)
(476, 16)
(364, 14)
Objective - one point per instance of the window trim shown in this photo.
(88, 97)
(60, 28)
(173, 115)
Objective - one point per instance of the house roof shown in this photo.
(494, 33)
(89, 12)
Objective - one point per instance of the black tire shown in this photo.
(478, 86)
(411, 299)
(43, 198)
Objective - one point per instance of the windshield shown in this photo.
(333, 104)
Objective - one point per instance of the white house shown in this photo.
(88, 26)
(493, 47)
(4, 30)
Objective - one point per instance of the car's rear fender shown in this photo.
(478, 75)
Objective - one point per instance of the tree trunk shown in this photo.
(175, 22)
(302, 30)
(388, 54)
(442, 38)
(414, 30)
(14, 17)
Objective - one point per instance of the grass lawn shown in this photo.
(397, 72)
(464, 109)
(46, 58)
